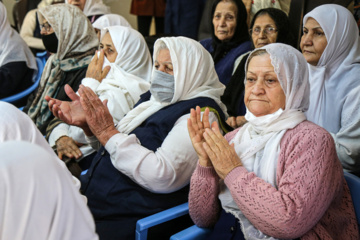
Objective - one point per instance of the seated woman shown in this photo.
(269, 25)
(146, 161)
(331, 46)
(277, 177)
(230, 36)
(93, 9)
(35, 190)
(73, 42)
(109, 20)
(30, 29)
(125, 51)
(17, 63)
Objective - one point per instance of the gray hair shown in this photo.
(161, 45)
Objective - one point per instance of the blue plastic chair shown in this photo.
(28, 91)
(42, 56)
(192, 233)
(144, 224)
(354, 186)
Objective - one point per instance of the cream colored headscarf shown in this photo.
(37, 197)
(194, 75)
(12, 46)
(77, 44)
(257, 143)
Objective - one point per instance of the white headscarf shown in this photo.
(131, 69)
(338, 69)
(94, 7)
(37, 197)
(12, 46)
(257, 143)
(194, 75)
(109, 20)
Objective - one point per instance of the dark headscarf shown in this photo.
(282, 24)
(241, 33)
(234, 92)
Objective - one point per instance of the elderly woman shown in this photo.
(125, 51)
(73, 42)
(230, 37)
(146, 160)
(109, 20)
(331, 46)
(269, 25)
(278, 176)
(93, 9)
(17, 64)
(35, 186)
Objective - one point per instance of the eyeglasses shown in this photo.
(47, 27)
(267, 30)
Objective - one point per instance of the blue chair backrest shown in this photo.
(28, 91)
(354, 186)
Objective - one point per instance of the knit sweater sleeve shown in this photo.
(309, 177)
(204, 205)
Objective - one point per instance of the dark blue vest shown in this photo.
(117, 202)
(224, 68)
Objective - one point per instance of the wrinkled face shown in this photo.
(79, 3)
(163, 62)
(224, 20)
(313, 41)
(264, 31)
(108, 46)
(45, 28)
(263, 92)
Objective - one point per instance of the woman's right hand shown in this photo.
(67, 146)
(196, 129)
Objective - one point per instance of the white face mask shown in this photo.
(162, 86)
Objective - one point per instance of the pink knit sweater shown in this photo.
(312, 201)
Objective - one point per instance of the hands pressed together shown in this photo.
(211, 147)
(85, 111)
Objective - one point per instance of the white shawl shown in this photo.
(37, 197)
(257, 143)
(194, 75)
(109, 20)
(338, 70)
(12, 46)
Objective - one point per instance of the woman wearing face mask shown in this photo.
(72, 42)
(125, 51)
(93, 9)
(17, 64)
(269, 25)
(230, 36)
(331, 46)
(146, 161)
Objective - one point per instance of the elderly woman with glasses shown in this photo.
(269, 25)
(72, 43)
(230, 37)
(278, 176)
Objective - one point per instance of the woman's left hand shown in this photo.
(97, 114)
(221, 153)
